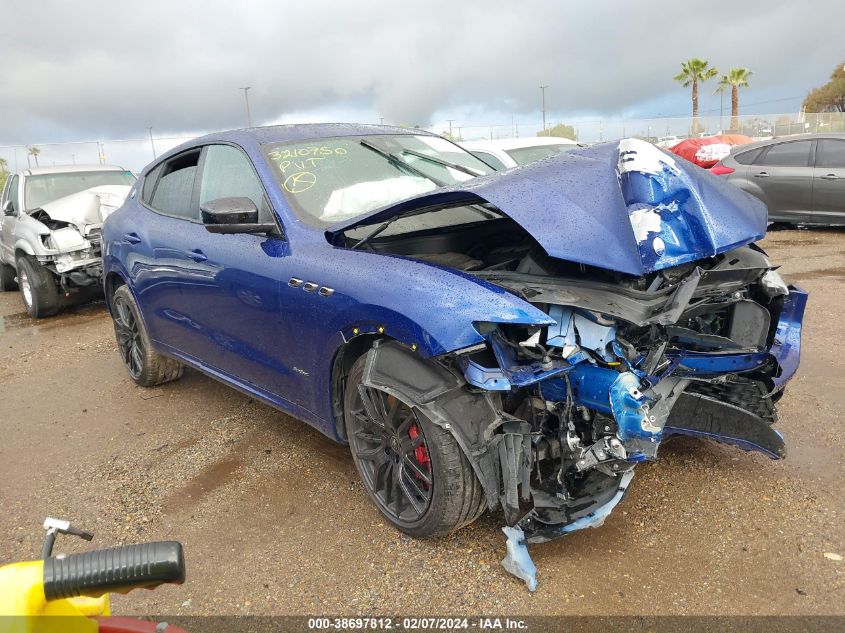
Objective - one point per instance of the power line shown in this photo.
(744, 105)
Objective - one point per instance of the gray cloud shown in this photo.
(110, 69)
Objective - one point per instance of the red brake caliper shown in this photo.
(420, 452)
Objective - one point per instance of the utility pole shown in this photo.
(450, 127)
(246, 101)
(152, 145)
(543, 104)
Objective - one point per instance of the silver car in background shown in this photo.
(800, 178)
(50, 232)
(505, 153)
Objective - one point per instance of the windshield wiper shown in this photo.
(444, 163)
(381, 227)
(397, 161)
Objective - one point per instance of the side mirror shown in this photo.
(233, 215)
(9, 208)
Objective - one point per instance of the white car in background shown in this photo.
(50, 232)
(510, 152)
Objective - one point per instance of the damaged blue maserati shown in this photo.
(518, 340)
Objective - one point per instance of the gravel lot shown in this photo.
(274, 520)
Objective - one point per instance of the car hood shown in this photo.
(87, 207)
(625, 206)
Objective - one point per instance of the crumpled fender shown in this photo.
(433, 305)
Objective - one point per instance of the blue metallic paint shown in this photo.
(787, 345)
(233, 315)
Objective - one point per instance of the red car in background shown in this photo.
(706, 151)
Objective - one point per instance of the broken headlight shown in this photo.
(66, 239)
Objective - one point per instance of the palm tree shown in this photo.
(736, 78)
(693, 72)
(34, 152)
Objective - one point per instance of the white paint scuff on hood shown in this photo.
(89, 207)
(638, 155)
(644, 221)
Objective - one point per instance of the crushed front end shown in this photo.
(656, 315)
(700, 349)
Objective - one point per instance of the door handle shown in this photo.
(830, 177)
(131, 238)
(197, 255)
(762, 174)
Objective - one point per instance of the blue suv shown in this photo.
(520, 339)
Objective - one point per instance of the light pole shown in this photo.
(246, 101)
(152, 145)
(543, 103)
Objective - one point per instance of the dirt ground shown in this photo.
(274, 520)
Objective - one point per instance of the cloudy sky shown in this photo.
(101, 69)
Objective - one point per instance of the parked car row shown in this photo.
(519, 339)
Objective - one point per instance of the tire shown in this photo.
(39, 292)
(145, 366)
(7, 278)
(423, 493)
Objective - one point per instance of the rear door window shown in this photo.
(747, 157)
(173, 194)
(792, 154)
(830, 153)
(149, 185)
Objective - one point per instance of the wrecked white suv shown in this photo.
(50, 232)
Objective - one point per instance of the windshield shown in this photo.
(39, 190)
(525, 155)
(334, 179)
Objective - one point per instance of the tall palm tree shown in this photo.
(736, 78)
(34, 152)
(693, 72)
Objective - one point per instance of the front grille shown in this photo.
(740, 392)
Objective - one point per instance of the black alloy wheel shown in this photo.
(129, 341)
(390, 446)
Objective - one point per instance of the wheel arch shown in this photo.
(111, 283)
(23, 248)
(344, 359)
